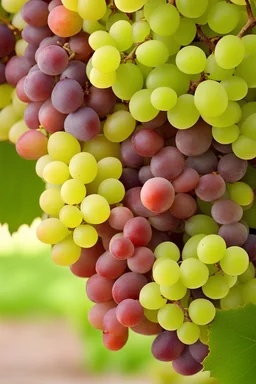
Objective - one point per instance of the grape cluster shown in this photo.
(141, 116)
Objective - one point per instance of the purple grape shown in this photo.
(38, 86)
(234, 234)
(84, 124)
(130, 178)
(16, 68)
(199, 351)
(52, 60)
(99, 289)
(250, 246)
(171, 156)
(76, 71)
(35, 13)
(34, 35)
(67, 96)
(210, 187)
(7, 41)
(31, 115)
(130, 158)
(128, 286)
(101, 100)
(145, 174)
(205, 163)
(2, 73)
(51, 119)
(30, 52)
(167, 346)
(185, 364)
(231, 168)
(226, 211)
(164, 222)
(80, 46)
(147, 142)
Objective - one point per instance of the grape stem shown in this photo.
(71, 54)
(194, 84)
(202, 37)
(10, 26)
(251, 20)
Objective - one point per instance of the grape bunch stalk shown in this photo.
(141, 115)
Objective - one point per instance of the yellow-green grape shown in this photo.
(17, 21)
(92, 11)
(151, 6)
(171, 44)
(226, 135)
(119, 126)
(215, 72)
(73, 191)
(238, 2)
(56, 172)
(83, 167)
(70, 216)
(178, 118)
(175, 292)
(16, 130)
(106, 59)
(165, 20)
(244, 147)
(248, 127)
(18, 105)
(95, 209)
(112, 189)
(249, 292)
(190, 248)
(8, 117)
(163, 98)
(116, 16)
(204, 334)
(199, 224)
(229, 51)
(234, 298)
(129, 80)
(92, 26)
(193, 273)
(140, 31)
(102, 80)
(108, 167)
(223, 17)
(191, 60)
(236, 87)
(249, 44)
(246, 70)
(12, 6)
(66, 252)
(51, 231)
(150, 297)
(188, 333)
(235, 262)
(62, 146)
(166, 272)
(167, 249)
(20, 47)
(211, 249)
(121, 31)
(100, 147)
(85, 236)
(152, 53)
(216, 287)
(41, 163)
(51, 202)
(170, 317)
(151, 315)
(248, 274)
(241, 193)
(192, 9)
(72, 5)
(141, 107)
(250, 177)
(129, 6)
(101, 38)
(230, 116)
(186, 31)
(201, 311)
(6, 91)
(231, 280)
(211, 98)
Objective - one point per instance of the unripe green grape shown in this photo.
(106, 59)
(91, 11)
(223, 17)
(95, 209)
(170, 317)
(92, 26)
(186, 32)
(20, 47)
(129, 80)
(199, 224)
(18, 105)
(188, 333)
(83, 166)
(192, 8)
(166, 272)
(5, 95)
(230, 116)
(236, 87)
(193, 273)
(8, 117)
(150, 297)
(231, 280)
(119, 126)
(140, 106)
(102, 80)
(129, 6)
(112, 189)
(229, 51)
(234, 298)
(216, 287)
(191, 60)
(12, 6)
(100, 147)
(226, 135)
(204, 334)
(211, 98)
(66, 252)
(248, 275)
(140, 30)
(121, 31)
(238, 2)
(178, 118)
(244, 148)
(70, 216)
(151, 315)
(51, 231)
(85, 236)
(72, 5)
(163, 98)
(215, 72)
(62, 146)
(16, 130)
(248, 127)
(73, 191)
(172, 45)
(241, 193)
(51, 202)
(17, 21)
(201, 311)
(151, 6)
(247, 70)
(211, 249)
(165, 20)
(235, 262)
(114, 17)
(56, 172)
(175, 292)
(190, 248)
(152, 53)
(101, 38)
(249, 292)
(249, 44)
(167, 249)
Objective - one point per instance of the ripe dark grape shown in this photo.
(184, 206)
(145, 174)
(129, 313)
(130, 178)
(147, 328)
(16, 68)
(119, 217)
(132, 200)
(84, 123)
(234, 234)
(203, 164)
(2, 73)
(171, 156)
(110, 267)
(167, 346)
(80, 46)
(121, 248)
(97, 313)
(142, 260)
(34, 35)
(211, 187)
(67, 96)
(199, 351)
(165, 222)
(51, 119)
(31, 115)
(52, 60)
(7, 41)
(128, 286)
(226, 211)
(86, 264)
(231, 168)
(186, 181)
(185, 364)
(38, 86)
(99, 289)
(115, 335)
(35, 13)
(76, 71)
(138, 230)
(147, 142)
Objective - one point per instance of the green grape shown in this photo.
(116, 16)
(66, 252)
(215, 72)
(16, 130)
(231, 280)
(191, 60)
(165, 20)
(108, 167)
(211, 98)
(150, 297)
(198, 224)
(95, 209)
(20, 47)
(140, 106)
(235, 262)
(121, 31)
(248, 275)
(18, 105)
(172, 45)
(205, 207)
(170, 317)
(186, 32)
(211, 249)
(204, 334)
(72, 5)
(85, 236)
(244, 148)
(236, 87)
(230, 116)
(250, 177)
(92, 11)
(151, 6)
(216, 287)
(166, 272)
(129, 6)
(41, 163)
(17, 21)
(8, 118)
(175, 292)
(248, 128)
(62, 146)
(106, 59)
(188, 333)
(119, 126)
(241, 193)
(223, 17)
(249, 292)
(201, 311)
(101, 147)
(56, 172)
(233, 300)
(152, 53)
(51, 231)
(178, 118)
(73, 191)
(89, 67)
(101, 38)
(144, 70)
(168, 75)
(243, 18)
(83, 166)
(249, 44)
(238, 2)
(112, 189)
(129, 80)
(190, 248)
(51, 202)
(247, 70)
(226, 135)
(140, 31)
(167, 249)
(193, 273)
(92, 26)
(12, 6)
(70, 216)
(192, 8)
(151, 315)
(229, 51)
(163, 98)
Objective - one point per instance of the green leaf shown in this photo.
(233, 346)
(20, 188)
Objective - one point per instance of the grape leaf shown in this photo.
(233, 346)
(20, 188)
